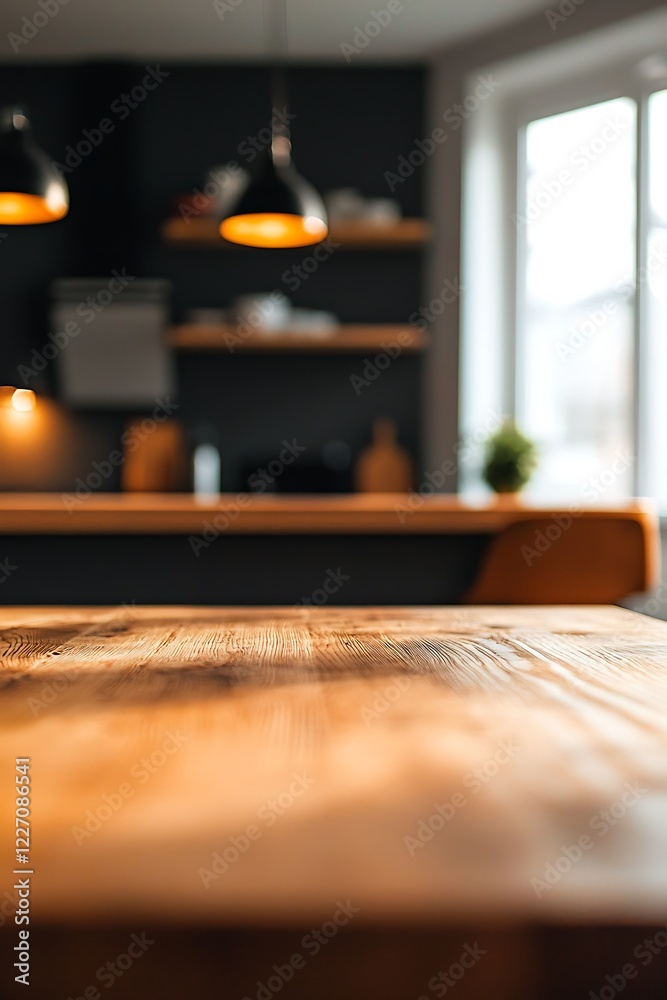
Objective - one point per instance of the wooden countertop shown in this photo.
(374, 513)
(221, 766)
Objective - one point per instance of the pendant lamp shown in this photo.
(277, 208)
(31, 191)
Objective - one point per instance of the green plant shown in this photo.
(510, 459)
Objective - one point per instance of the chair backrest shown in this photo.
(569, 560)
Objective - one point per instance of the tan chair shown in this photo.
(594, 558)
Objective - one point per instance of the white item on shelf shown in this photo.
(315, 322)
(383, 211)
(264, 312)
(344, 204)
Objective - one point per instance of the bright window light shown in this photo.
(575, 347)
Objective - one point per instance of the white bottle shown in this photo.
(206, 471)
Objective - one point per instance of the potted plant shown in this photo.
(510, 459)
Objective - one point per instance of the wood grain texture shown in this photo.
(370, 513)
(381, 715)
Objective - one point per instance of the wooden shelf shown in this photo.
(405, 234)
(347, 339)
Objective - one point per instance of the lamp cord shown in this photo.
(275, 28)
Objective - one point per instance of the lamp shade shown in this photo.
(31, 191)
(276, 209)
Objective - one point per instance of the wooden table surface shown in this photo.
(311, 747)
(302, 514)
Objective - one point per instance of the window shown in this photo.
(574, 316)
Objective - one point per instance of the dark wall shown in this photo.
(241, 569)
(350, 127)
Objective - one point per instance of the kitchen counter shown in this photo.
(373, 513)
